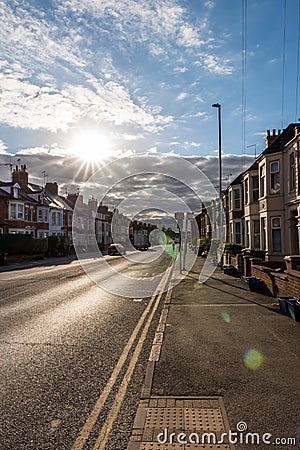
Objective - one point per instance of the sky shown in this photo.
(83, 82)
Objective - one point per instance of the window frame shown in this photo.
(262, 181)
(235, 199)
(255, 189)
(274, 178)
(292, 170)
(276, 231)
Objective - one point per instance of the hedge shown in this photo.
(13, 244)
(58, 246)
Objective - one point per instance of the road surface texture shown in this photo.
(75, 369)
(64, 343)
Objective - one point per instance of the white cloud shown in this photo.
(26, 105)
(215, 64)
(180, 69)
(209, 4)
(189, 37)
(152, 150)
(44, 56)
(156, 50)
(52, 150)
(3, 148)
(201, 114)
(273, 61)
(182, 96)
(192, 144)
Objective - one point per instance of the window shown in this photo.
(275, 177)
(69, 220)
(256, 234)
(42, 215)
(255, 190)
(276, 234)
(230, 200)
(238, 233)
(248, 233)
(53, 218)
(20, 211)
(16, 211)
(246, 191)
(262, 175)
(13, 211)
(28, 213)
(42, 234)
(231, 232)
(292, 172)
(264, 233)
(237, 199)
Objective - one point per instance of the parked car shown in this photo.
(116, 249)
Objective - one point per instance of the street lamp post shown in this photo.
(220, 221)
(217, 105)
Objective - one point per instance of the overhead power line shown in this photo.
(283, 63)
(244, 74)
(298, 57)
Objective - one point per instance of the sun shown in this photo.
(91, 145)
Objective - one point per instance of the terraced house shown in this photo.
(27, 208)
(263, 203)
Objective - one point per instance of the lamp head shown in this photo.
(216, 105)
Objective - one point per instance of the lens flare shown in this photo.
(253, 359)
(226, 317)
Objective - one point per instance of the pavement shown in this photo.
(223, 358)
(38, 262)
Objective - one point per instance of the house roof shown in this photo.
(237, 180)
(5, 194)
(286, 136)
(253, 166)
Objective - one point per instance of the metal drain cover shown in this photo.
(189, 415)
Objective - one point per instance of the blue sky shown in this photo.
(141, 76)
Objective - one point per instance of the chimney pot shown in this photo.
(274, 132)
(268, 132)
(279, 132)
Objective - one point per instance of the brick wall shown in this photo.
(236, 261)
(279, 284)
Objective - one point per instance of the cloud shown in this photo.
(189, 37)
(182, 96)
(192, 144)
(68, 172)
(3, 148)
(47, 81)
(202, 114)
(180, 69)
(209, 4)
(152, 150)
(215, 64)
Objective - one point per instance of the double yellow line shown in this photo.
(115, 408)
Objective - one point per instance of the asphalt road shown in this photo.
(64, 342)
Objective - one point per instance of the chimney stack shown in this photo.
(271, 138)
(52, 187)
(20, 176)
